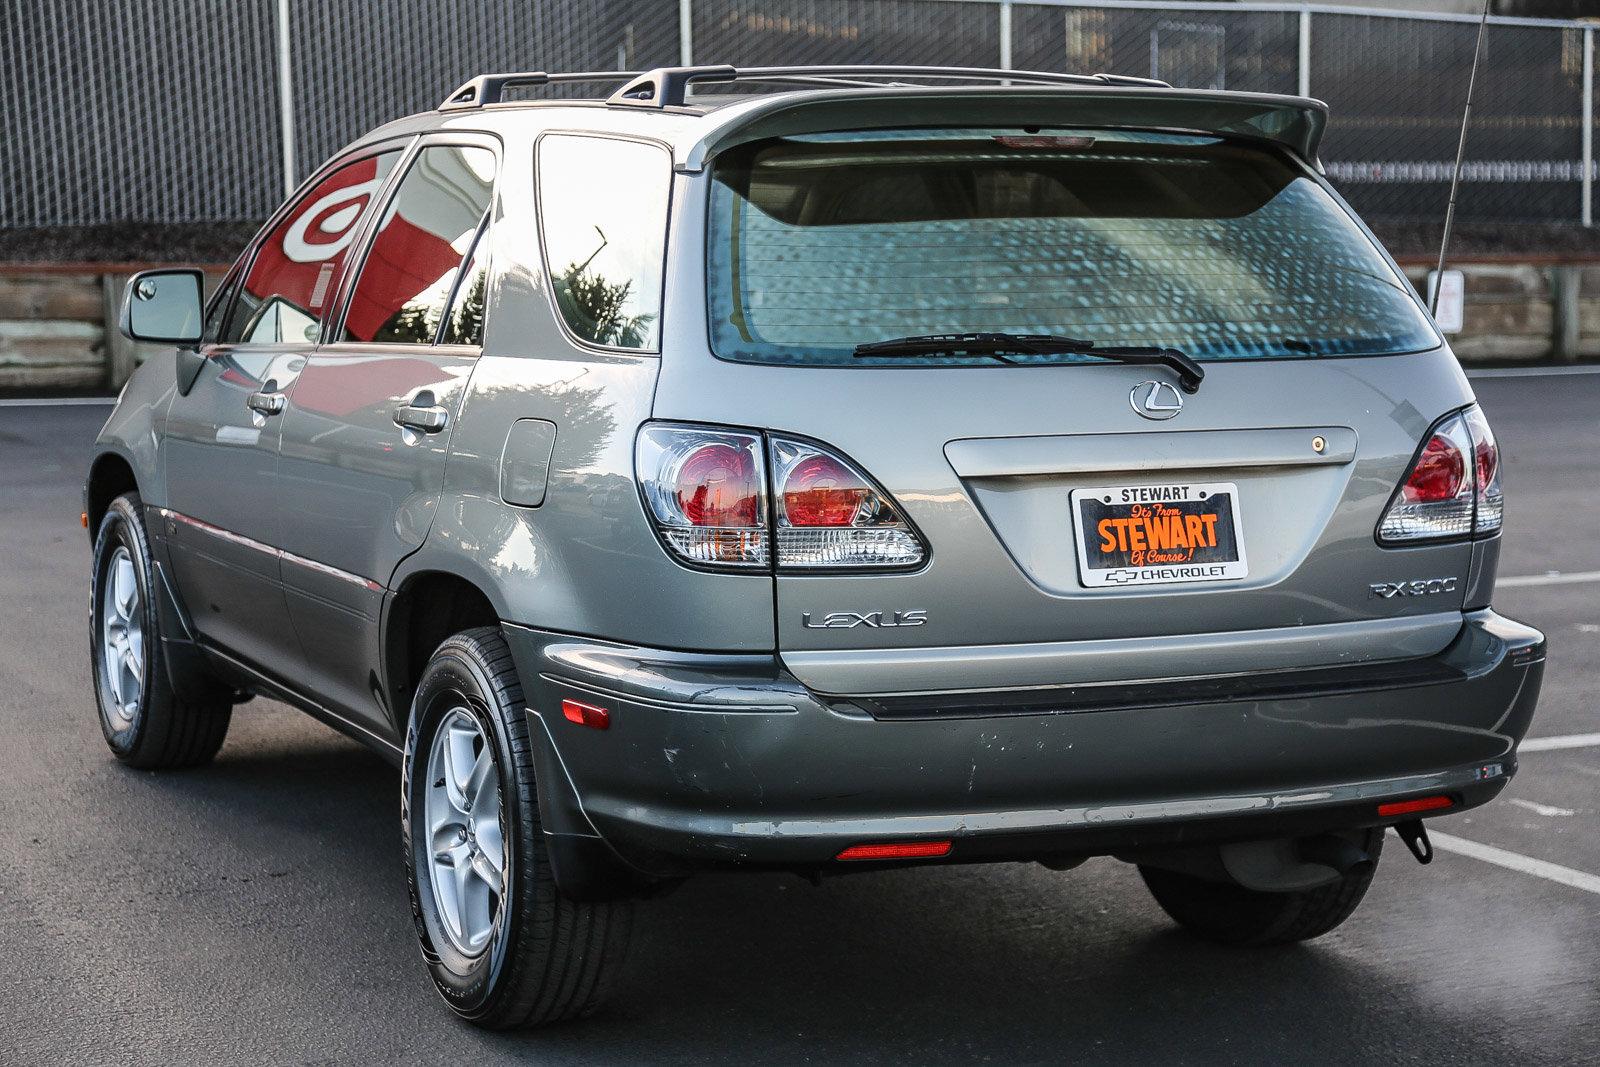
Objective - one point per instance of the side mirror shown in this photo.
(163, 307)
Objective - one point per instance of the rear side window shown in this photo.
(1222, 249)
(603, 215)
(295, 273)
(436, 220)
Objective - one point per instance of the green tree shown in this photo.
(596, 308)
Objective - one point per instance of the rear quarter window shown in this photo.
(1224, 250)
(603, 219)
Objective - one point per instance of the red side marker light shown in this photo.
(905, 850)
(1410, 807)
(586, 715)
(84, 518)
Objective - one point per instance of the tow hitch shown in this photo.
(1415, 835)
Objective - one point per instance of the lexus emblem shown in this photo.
(1155, 400)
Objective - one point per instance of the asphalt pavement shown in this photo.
(255, 911)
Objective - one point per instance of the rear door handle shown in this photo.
(266, 402)
(430, 419)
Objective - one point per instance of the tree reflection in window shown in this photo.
(603, 211)
(434, 220)
(465, 324)
(596, 308)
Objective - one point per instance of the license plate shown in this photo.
(1130, 535)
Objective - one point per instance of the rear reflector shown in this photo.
(586, 714)
(905, 850)
(1411, 807)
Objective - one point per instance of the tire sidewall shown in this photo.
(122, 527)
(454, 679)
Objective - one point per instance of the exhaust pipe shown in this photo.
(1330, 850)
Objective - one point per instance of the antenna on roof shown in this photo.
(1455, 177)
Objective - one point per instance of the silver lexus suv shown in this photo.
(820, 469)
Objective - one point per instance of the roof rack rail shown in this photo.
(488, 89)
(669, 86)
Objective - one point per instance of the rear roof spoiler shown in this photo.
(1290, 122)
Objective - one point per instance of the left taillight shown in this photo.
(706, 492)
(830, 514)
(709, 491)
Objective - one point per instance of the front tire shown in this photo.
(1230, 914)
(504, 947)
(146, 722)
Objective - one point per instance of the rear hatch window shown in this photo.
(1224, 250)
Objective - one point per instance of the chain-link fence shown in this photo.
(196, 111)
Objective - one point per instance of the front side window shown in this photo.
(1224, 250)
(603, 214)
(295, 274)
(435, 221)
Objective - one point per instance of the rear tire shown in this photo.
(147, 723)
(504, 947)
(1230, 914)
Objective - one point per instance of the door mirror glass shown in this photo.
(280, 322)
(163, 306)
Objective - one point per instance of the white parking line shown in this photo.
(1531, 372)
(1553, 744)
(1549, 811)
(1548, 578)
(56, 401)
(1515, 861)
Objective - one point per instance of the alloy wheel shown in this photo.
(466, 852)
(121, 641)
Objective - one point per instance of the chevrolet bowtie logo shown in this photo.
(1122, 576)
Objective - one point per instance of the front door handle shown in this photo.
(266, 402)
(426, 419)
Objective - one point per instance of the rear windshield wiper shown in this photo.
(999, 345)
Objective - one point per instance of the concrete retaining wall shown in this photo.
(52, 331)
(1524, 312)
(58, 326)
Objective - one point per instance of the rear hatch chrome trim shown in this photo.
(999, 457)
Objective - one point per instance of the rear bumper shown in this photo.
(715, 760)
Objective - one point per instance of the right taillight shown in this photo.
(1486, 470)
(1452, 490)
(710, 491)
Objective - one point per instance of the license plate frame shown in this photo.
(1124, 567)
